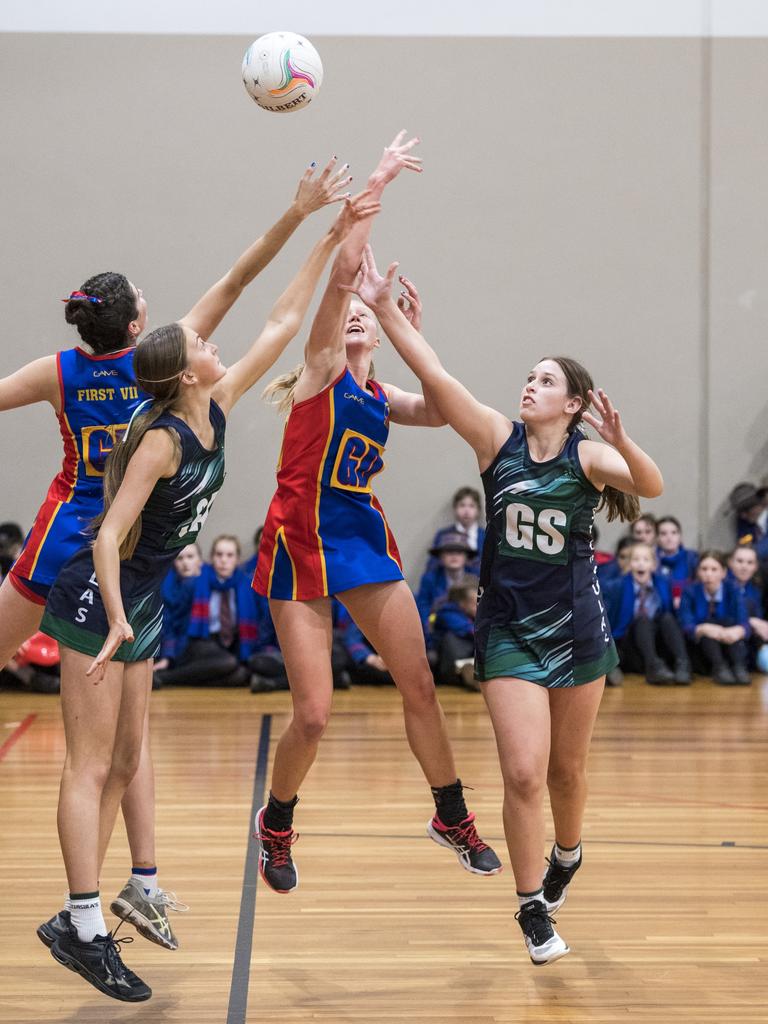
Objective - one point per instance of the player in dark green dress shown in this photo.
(105, 606)
(543, 645)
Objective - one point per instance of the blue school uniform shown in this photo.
(727, 609)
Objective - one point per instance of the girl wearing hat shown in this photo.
(542, 640)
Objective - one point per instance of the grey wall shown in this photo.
(600, 198)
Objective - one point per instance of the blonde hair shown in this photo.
(280, 390)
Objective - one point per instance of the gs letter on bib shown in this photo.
(534, 529)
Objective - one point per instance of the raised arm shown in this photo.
(325, 354)
(156, 456)
(287, 314)
(619, 463)
(311, 194)
(38, 381)
(483, 428)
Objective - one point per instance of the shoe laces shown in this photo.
(279, 845)
(170, 900)
(467, 835)
(536, 921)
(112, 952)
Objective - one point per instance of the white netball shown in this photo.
(282, 71)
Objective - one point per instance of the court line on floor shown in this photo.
(241, 966)
(17, 733)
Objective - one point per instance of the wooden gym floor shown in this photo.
(666, 920)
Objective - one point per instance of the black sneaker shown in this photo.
(474, 855)
(276, 865)
(741, 675)
(99, 964)
(542, 941)
(556, 881)
(683, 673)
(54, 928)
(723, 675)
(659, 675)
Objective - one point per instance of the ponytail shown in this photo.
(159, 363)
(281, 389)
(619, 505)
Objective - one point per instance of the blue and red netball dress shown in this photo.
(326, 531)
(98, 395)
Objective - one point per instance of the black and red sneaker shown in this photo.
(474, 855)
(276, 865)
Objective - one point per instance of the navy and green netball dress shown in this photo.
(541, 615)
(172, 518)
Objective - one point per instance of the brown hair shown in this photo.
(467, 492)
(231, 538)
(616, 503)
(160, 360)
(719, 556)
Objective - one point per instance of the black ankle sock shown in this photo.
(449, 801)
(278, 816)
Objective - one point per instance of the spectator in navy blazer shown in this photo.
(453, 628)
(613, 570)
(467, 509)
(676, 562)
(452, 552)
(647, 634)
(715, 622)
(644, 529)
(743, 570)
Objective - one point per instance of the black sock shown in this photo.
(278, 816)
(449, 801)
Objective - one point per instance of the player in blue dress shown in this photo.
(326, 535)
(93, 393)
(542, 640)
(105, 608)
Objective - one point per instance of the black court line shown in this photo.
(241, 967)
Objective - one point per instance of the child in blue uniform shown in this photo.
(743, 571)
(715, 622)
(643, 622)
(542, 641)
(105, 608)
(676, 562)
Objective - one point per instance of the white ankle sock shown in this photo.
(527, 897)
(567, 857)
(87, 918)
(147, 880)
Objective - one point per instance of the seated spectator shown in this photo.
(178, 592)
(361, 661)
(715, 622)
(222, 636)
(743, 569)
(644, 529)
(643, 624)
(676, 562)
(11, 539)
(609, 566)
(453, 630)
(452, 553)
(249, 567)
(467, 509)
(748, 503)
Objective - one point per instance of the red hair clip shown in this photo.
(82, 295)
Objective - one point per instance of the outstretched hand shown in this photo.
(369, 285)
(314, 193)
(397, 155)
(609, 427)
(119, 633)
(354, 210)
(409, 303)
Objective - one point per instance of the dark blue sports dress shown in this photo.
(541, 615)
(173, 516)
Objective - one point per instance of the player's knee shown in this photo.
(92, 771)
(566, 776)
(523, 781)
(124, 766)
(418, 692)
(311, 723)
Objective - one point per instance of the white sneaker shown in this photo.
(542, 941)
